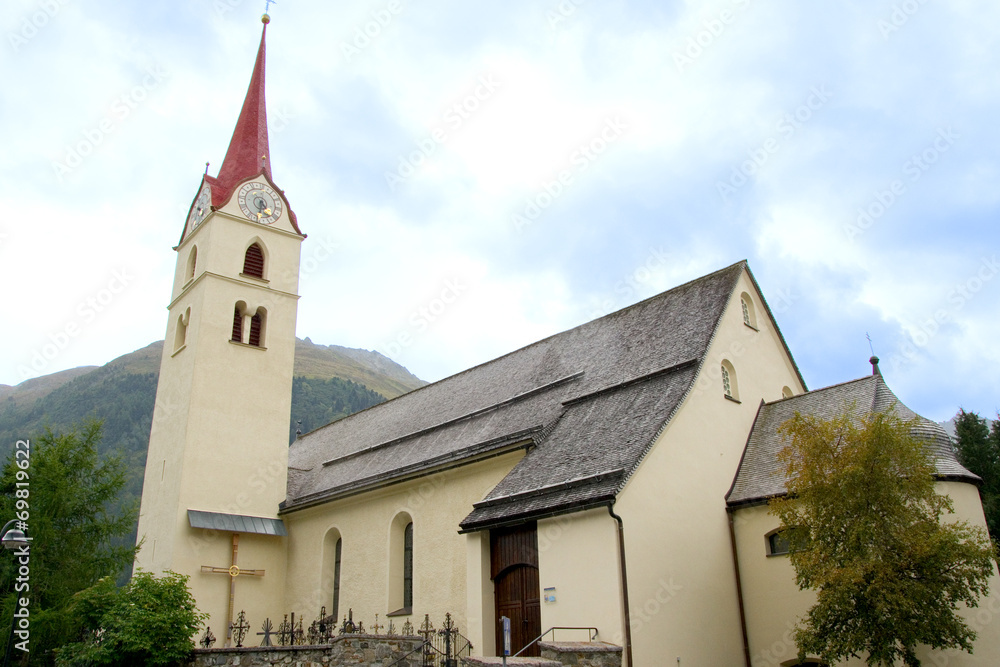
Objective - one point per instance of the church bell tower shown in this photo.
(218, 448)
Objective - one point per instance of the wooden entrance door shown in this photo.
(514, 570)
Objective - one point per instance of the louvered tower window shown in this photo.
(256, 323)
(253, 262)
(237, 325)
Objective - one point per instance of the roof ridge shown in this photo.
(455, 420)
(866, 378)
(628, 383)
(427, 387)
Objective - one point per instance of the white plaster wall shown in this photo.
(219, 440)
(680, 571)
(578, 556)
(774, 603)
(442, 558)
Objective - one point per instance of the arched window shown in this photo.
(258, 326)
(255, 325)
(786, 392)
(237, 324)
(400, 602)
(253, 261)
(730, 387)
(192, 263)
(338, 552)
(408, 566)
(333, 546)
(777, 543)
(749, 313)
(180, 335)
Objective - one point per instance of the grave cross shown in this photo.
(233, 571)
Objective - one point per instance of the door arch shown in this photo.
(514, 571)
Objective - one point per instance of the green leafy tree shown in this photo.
(864, 519)
(148, 622)
(979, 450)
(79, 534)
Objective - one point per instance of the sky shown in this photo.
(476, 176)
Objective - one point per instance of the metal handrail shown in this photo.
(557, 627)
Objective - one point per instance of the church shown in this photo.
(612, 478)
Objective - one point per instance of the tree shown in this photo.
(864, 520)
(148, 622)
(68, 497)
(978, 449)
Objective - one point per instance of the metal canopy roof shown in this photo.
(236, 523)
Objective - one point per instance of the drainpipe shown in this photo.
(624, 577)
(739, 587)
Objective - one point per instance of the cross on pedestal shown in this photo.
(233, 571)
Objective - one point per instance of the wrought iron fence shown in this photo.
(440, 647)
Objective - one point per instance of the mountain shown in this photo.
(330, 382)
(949, 425)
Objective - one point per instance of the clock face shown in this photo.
(259, 203)
(202, 207)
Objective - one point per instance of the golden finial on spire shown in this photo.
(265, 19)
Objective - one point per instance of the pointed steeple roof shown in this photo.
(249, 154)
(249, 143)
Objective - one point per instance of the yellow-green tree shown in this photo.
(869, 536)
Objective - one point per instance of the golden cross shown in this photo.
(233, 571)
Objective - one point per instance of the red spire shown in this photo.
(249, 142)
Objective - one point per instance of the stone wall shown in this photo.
(559, 654)
(345, 651)
(583, 654)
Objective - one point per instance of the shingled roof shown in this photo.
(585, 404)
(760, 476)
